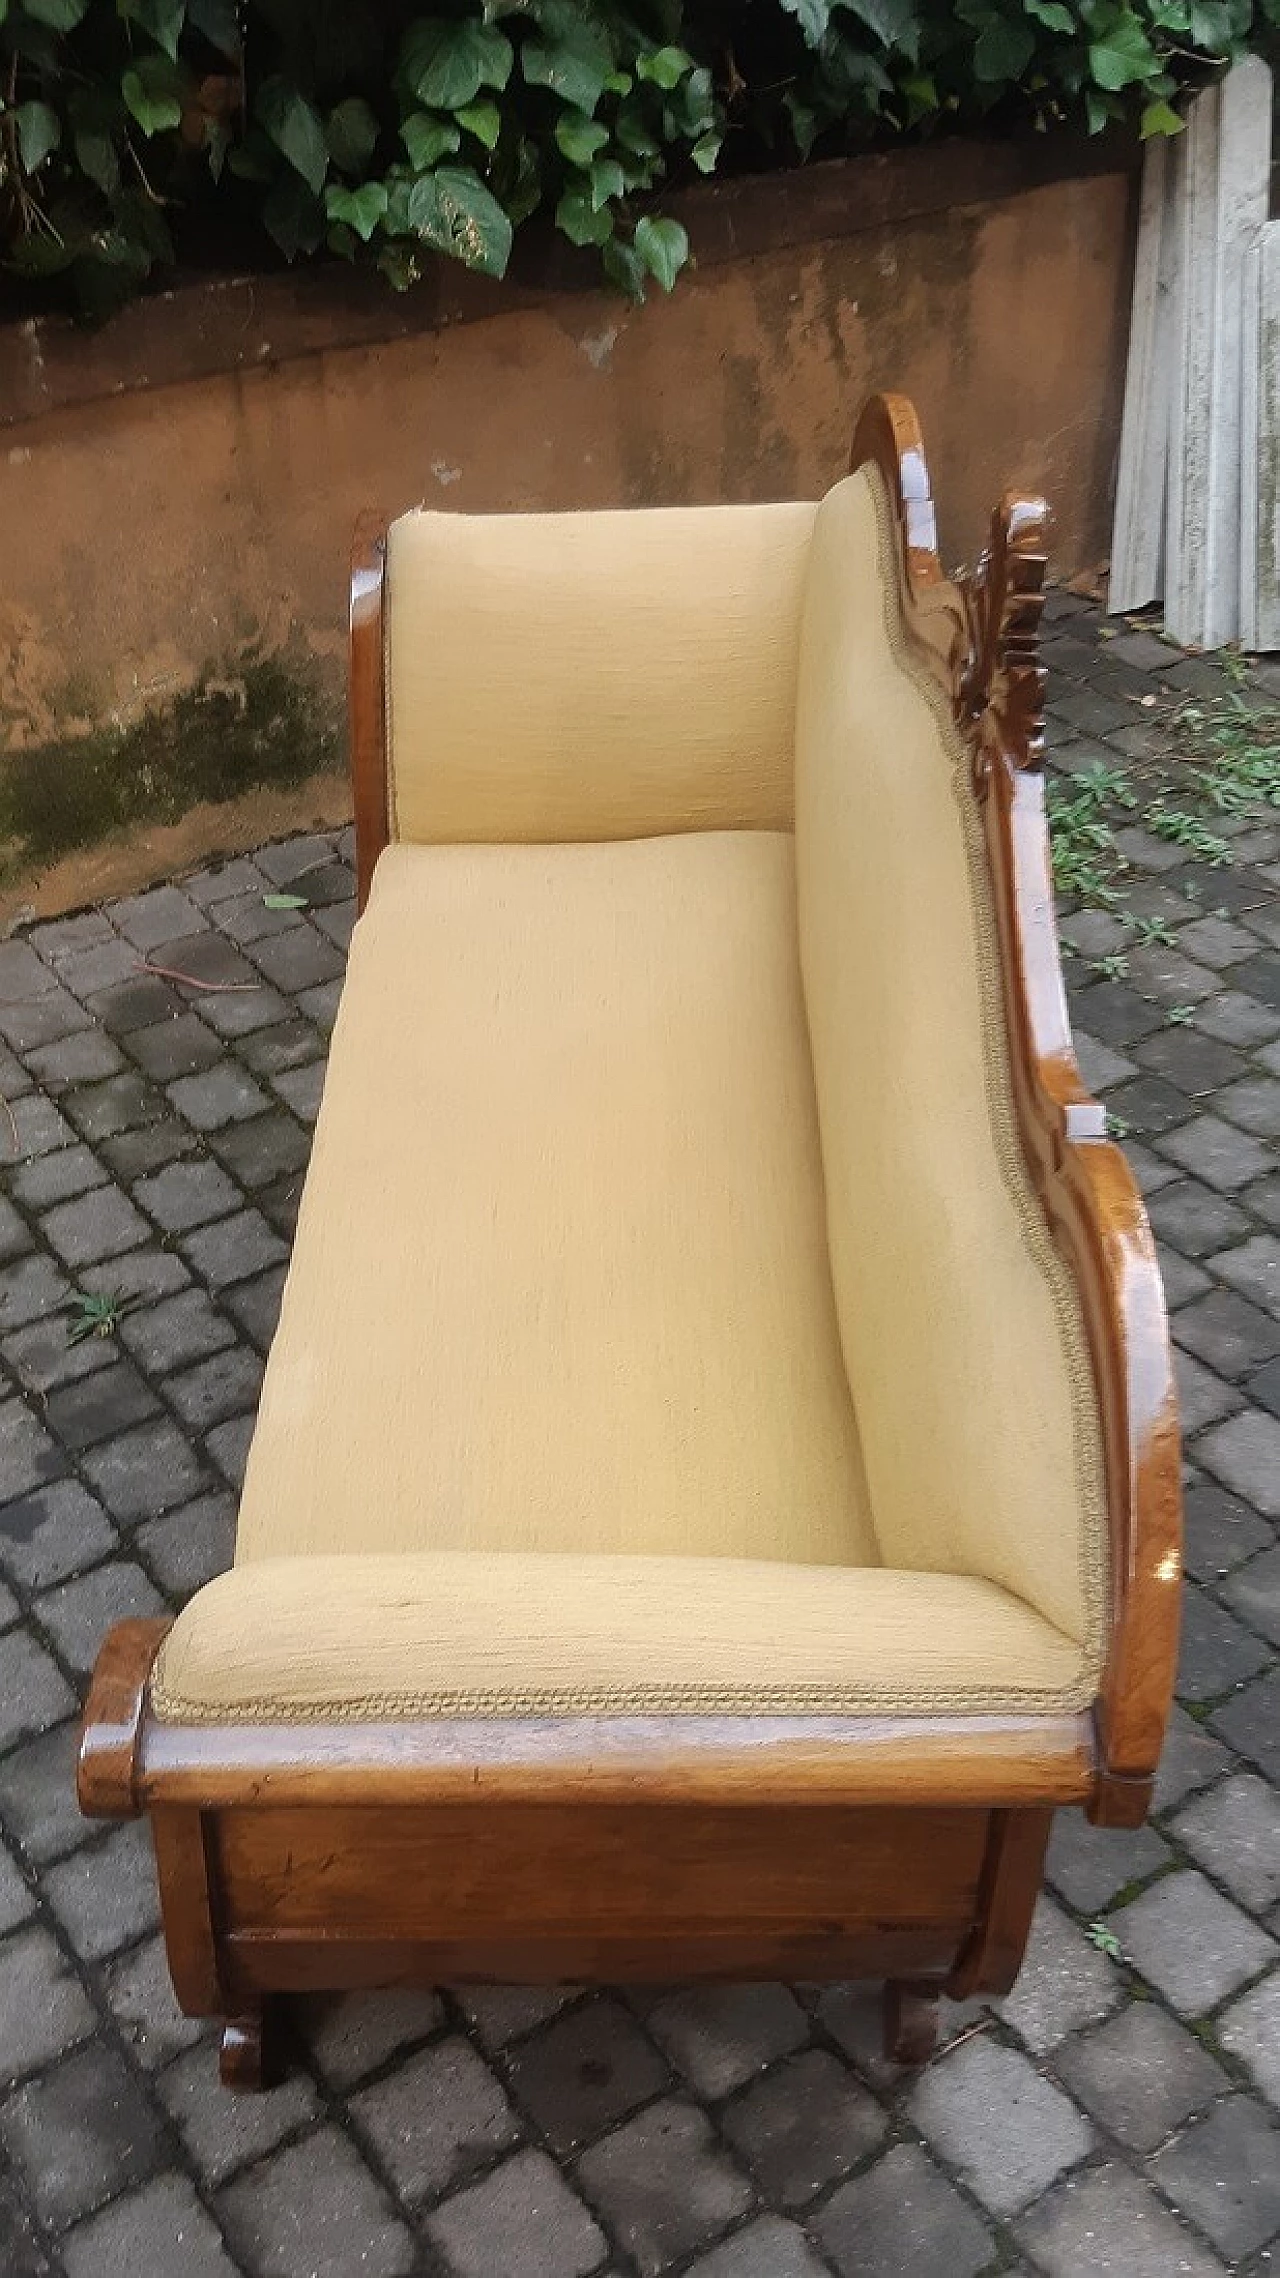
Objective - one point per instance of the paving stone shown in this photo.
(302, 1088)
(228, 1445)
(522, 2220)
(1254, 1105)
(1141, 2075)
(53, 1532)
(221, 1095)
(289, 860)
(62, 937)
(1203, 1398)
(33, 1692)
(1189, 1942)
(186, 1548)
(237, 1013)
(1253, 1268)
(56, 1177)
(178, 1330)
(441, 2115)
(351, 2035)
(1197, 1064)
(30, 1290)
(1116, 1014)
(1250, 2030)
(500, 2014)
(220, 881)
(718, 2036)
(583, 2072)
(140, 1003)
(280, 1204)
(8, 1607)
(1095, 933)
(1234, 1831)
(256, 1305)
(803, 2126)
(132, 1155)
(1195, 1219)
(1216, 1152)
(1217, 942)
(663, 2185)
(1222, 1532)
(1008, 2133)
(1264, 1387)
(233, 1249)
(901, 2220)
(80, 2132)
(770, 2248)
(1260, 977)
(338, 922)
(105, 1401)
(15, 1236)
(291, 1044)
(161, 914)
(28, 1457)
(300, 959)
(1231, 1336)
(98, 967)
(246, 918)
(1225, 2174)
(1167, 977)
(226, 1385)
(321, 1005)
(1254, 1593)
(1237, 1018)
(97, 1225)
(206, 961)
(332, 883)
(1182, 1280)
(182, 1046)
(224, 2133)
(138, 1278)
(78, 1614)
(1244, 1453)
(144, 1472)
(264, 1149)
(1150, 1105)
(41, 1127)
(1064, 1983)
(140, 1992)
(1216, 1653)
(157, 2230)
(16, 1901)
(187, 1194)
(105, 1895)
(1263, 1199)
(81, 1058)
(41, 1020)
(44, 2010)
(314, 2211)
(1250, 1721)
(1108, 2224)
(122, 1103)
(38, 1795)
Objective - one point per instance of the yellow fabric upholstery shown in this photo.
(440, 1633)
(960, 1326)
(593, 676)
(560, 1280)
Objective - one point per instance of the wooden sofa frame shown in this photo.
(664, 1846)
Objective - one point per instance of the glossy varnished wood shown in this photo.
(112, 1728)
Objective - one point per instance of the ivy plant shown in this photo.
(137, 134)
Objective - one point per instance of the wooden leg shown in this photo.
(249, 2056)
(910, 2021)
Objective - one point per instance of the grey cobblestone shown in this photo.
(1190, 1942)
(162, 2228)
(1234, 1832)
(804, 2125)
(902, 2217)
(222, 2133)
(663, 2185)
(1108, 2224)
(78, 1614)
(1007, 2131)
(1141, 2076)
(720, 2036)
(80, 2132)
(439, 2118)
(1225, 2174)
(53, 1532)
(1250, 2029)
(44, 2010)
(523, 2220)
(314, 2211)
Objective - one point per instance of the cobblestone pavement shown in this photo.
(1117, 2114)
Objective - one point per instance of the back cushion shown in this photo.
(593, 676)
(960, 1323)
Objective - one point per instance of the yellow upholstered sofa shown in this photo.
(715, 1486)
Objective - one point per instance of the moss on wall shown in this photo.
(262, 723)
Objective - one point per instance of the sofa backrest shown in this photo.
(960, 1324)
(593, 676)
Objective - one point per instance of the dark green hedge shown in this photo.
(134, 133)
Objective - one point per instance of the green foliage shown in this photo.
(359, 128)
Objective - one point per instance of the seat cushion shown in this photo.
(561, 1280)
(288, 1640)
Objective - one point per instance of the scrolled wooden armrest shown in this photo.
(113, 1718)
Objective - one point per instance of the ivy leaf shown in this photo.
(150, 93)
(483, 120)
(663, 246)
(351, 134)
(361, 209)
(1124, 56)
(284, 902)
(94, 144)
(215, 20)
(666, 67)
(1003, 50)
(623, 264)
(896, 23)
(446, 65)
(39, 132)
(1160, 118)
(162, 18)
(293, 215)
(580, 137)
(607, 181)
(1099, 110)
(427, 140)
(1052, 13)
(454, 212)
(576, 63)
(705, 152)
(582, 222)
(59, 15)
(813, 17)
(1210, 26)
(294, 127)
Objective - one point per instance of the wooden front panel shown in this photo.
(543, 1873)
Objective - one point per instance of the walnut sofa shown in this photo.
(715, 1490)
